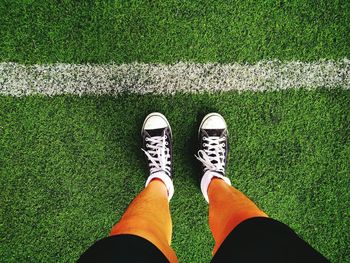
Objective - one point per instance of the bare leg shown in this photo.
(148, 216)
(227, 208)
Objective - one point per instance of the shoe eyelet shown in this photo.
(166, 143)
(146, 139)
(204, 144)
(165, 137)
(223, 145)
(147, 145)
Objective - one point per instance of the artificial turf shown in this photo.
(172, 31)
(70, 166)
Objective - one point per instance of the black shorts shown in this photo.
(257, 239)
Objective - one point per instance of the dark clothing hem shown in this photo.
(258, 239)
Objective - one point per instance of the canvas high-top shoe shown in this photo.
(157, 145)
(213, 149)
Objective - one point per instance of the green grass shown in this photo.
(171, 31)
(69, 167)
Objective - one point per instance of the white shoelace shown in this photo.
(158, 153)
(213, 155)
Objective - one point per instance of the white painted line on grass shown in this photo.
(56, 79)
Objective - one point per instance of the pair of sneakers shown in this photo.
(213, 149)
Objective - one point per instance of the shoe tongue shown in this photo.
(156, 132)
(214, 132)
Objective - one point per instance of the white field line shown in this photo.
(21, 80)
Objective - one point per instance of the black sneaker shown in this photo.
(213, 149)
(156, 137)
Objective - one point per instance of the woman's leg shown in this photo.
(148, 216)
(227, 208)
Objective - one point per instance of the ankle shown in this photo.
(207, 180)
(164, 179)
(159, 184)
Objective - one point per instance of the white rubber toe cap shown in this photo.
(155, 120)
(213, 121)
